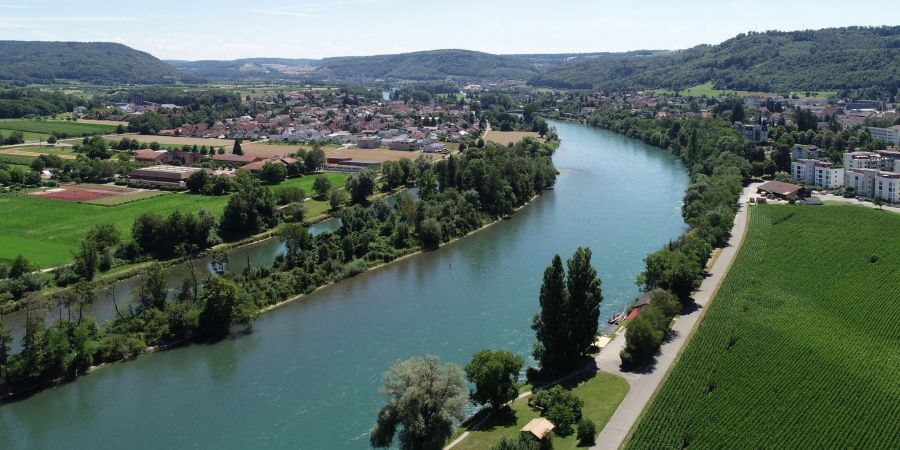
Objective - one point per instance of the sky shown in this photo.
(229, 29)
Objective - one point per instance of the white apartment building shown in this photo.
(890, 159)
(862, 160)
(873, 183)
(887, 186)
(817, 173)
(890, 135)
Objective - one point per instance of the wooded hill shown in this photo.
(863, 59)
(23, 62)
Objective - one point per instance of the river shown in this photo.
(307, 376)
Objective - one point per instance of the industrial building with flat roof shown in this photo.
(163, 175)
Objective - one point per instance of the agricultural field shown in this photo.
(16, 158)
(601, 394)
(175, 140)
(41, 129)
(801, 346)
(509, 137)
(46, 231)
(63, 151)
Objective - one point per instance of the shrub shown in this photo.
(293, 212)
(587, 432)
(289, 194)
(559, 406)
(430, 233)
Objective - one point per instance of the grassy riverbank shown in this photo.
(601, 393)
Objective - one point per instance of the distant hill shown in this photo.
(91, 62)
(248, 68)
(421, 66)
(854, 58)
(429, 65)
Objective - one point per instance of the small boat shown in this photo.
(616, 318)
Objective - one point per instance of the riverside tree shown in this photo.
(566, 327)
(425, 400)
(249, 210)
(494, 374)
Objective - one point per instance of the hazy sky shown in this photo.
(228, 29)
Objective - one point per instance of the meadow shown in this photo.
(800, 347)
(41, 129)
(48, 231)
(708, 90)
(601, 394)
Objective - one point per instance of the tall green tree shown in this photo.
(425, 400)
(494, 374)
(237, 150)
(223, 307)
(566, 326)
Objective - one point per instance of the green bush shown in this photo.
(587, 432)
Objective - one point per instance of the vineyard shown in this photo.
(801, 346)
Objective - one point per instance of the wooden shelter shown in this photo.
(538, 427)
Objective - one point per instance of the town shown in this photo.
(676, 246)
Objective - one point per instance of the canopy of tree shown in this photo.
(854, 58)
(92, 62)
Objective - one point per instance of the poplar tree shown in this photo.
(570, 311)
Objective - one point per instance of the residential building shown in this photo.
(887, 186)
(890, 159)
(152, 156)
(753, 132)
(862, 160)
(874, 183)
(800, 151)
(817, 173)
(237, 159)
(404, 144)
(890, 135)
(368, 142)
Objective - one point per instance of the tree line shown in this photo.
(208, 308)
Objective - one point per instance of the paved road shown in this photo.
(643, 385)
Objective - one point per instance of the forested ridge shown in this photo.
(865, 59)
(24, 62)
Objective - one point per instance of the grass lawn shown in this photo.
(47, 231)
(316, 208)
(801, 346)
(601, 394)
(27, 135)
(48, 127)
(338, 180)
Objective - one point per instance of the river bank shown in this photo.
(307, 374)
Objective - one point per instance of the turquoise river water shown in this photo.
(307, 375)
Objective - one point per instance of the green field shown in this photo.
(47, 231)
(601, 394)
(40, 129)
(45, 149)
(20, 160)
(707, 90)
(338, 180)
(800, 347)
